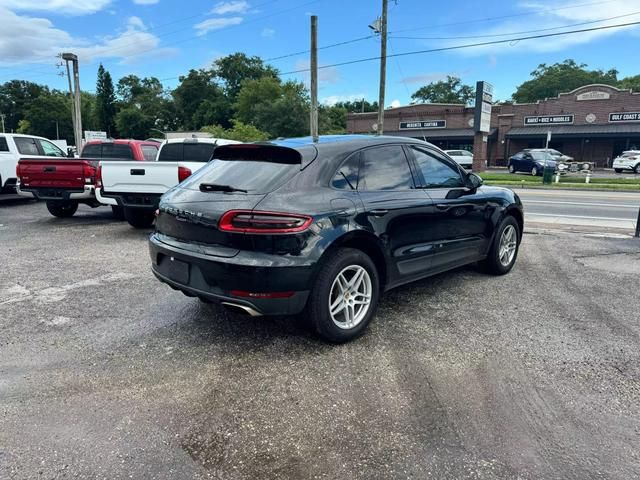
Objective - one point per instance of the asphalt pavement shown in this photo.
(105, 373)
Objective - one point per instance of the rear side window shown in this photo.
(171, 152)
(4, 146)
(51, 150)
(91, 151)
(436, 171)
(346, 178)
(149, 152)
(27, 146)
(198, 152)
(115, 151)
(385, 168)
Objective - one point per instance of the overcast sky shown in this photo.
(165, 38)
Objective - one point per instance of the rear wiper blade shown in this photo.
(212, 187)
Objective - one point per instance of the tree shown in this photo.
(332, 120)
(45, 112)
(194, 90)
(451, 90)
(280, 109)
(550, 80)
(234, 69)
(358, 106)
(15, 98)
(240, 132)
(105, 105)
(632, 83)
(132, 122)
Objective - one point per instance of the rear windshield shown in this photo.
(111, 151)
(255, 176)
(186, 152)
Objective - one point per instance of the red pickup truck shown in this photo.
(64, 183)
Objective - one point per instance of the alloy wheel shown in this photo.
(350, 297)
(508, 245)
(534, 171)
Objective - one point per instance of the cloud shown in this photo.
(36, 40)
(216, 24)
(395, 104)
(68, 7)
(553, 18)
(267, 32)
(331, 100)
(424, 78)
(145, 2)
(326, 76)
(234, 6)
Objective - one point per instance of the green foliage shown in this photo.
(451, 90)
(332, 120)
(24, 126)
(239, 131)
(550, 80)
(132, 122)
(45, 111)
(105, 102)
(194, 90)
(632, 83)
(236, 68)
(15, 98)
(359, 106)
(280, 109)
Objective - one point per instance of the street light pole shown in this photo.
(383, 67)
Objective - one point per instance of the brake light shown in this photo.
(89, 173)
(183, 173)
(243, 294)
(248, 221)
(99, 177)
(18, 173)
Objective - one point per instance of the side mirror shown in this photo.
(70, 153)
(474, 181)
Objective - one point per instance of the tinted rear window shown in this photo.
(91, 151)
(4, 147)
(186, 152)
(114, 151)
(26, 146)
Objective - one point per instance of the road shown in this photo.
(105, 373)
(585, 208)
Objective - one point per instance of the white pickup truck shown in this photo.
(137, 187)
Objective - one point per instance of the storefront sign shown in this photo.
(423, 125)
(484, 99)
(549, 120)
(90, 135)
(624, 117)
(594, 95)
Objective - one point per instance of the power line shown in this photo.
(519, 33)
(302, 52)
(470, 45)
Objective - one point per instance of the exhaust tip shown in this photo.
(234, 307)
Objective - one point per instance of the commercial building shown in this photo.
(593, 123)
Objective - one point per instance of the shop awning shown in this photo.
(440, 133)
(576, 131)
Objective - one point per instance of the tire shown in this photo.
(493, 264)
(512, 169)
(118, 212)
(534, 171)
(138, 218)
(617, 170)
(346, 263)
(62, 209)
(637, 169)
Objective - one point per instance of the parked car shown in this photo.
(557, 155)
(13, 147)
(629, 160)
(137, 190)
(291, 225)
(66, 183)
(464, 158)
(532, 161)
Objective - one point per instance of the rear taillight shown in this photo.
(248, 221)
(183, 173)
(18, 172)
(244, 294)
(89, 173)
(99, 177)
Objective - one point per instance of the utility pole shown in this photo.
(383, 67)
(75, 95)
(314, 78)
(2, 115)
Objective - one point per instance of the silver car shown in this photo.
(464, 158)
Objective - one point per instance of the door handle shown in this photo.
(442, 206)
(379, 212)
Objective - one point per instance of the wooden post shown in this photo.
(383, 67)
(313, 123)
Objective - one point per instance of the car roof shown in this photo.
(121, 141)
(218, 141)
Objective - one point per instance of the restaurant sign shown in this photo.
(624, 117)
(423, 125)
(549, 120)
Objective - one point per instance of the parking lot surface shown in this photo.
(106, 373)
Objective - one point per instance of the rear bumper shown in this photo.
(623, 166)
(143, 201)
(80, 194)
(188, 268)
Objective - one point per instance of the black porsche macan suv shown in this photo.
(290, 226)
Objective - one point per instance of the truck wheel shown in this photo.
(139, 218)
(62, 209)
(344, 296)
(118, 212)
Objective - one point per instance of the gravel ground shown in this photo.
(106, 373)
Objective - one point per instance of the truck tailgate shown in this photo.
(139, 177)
(52, 172)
